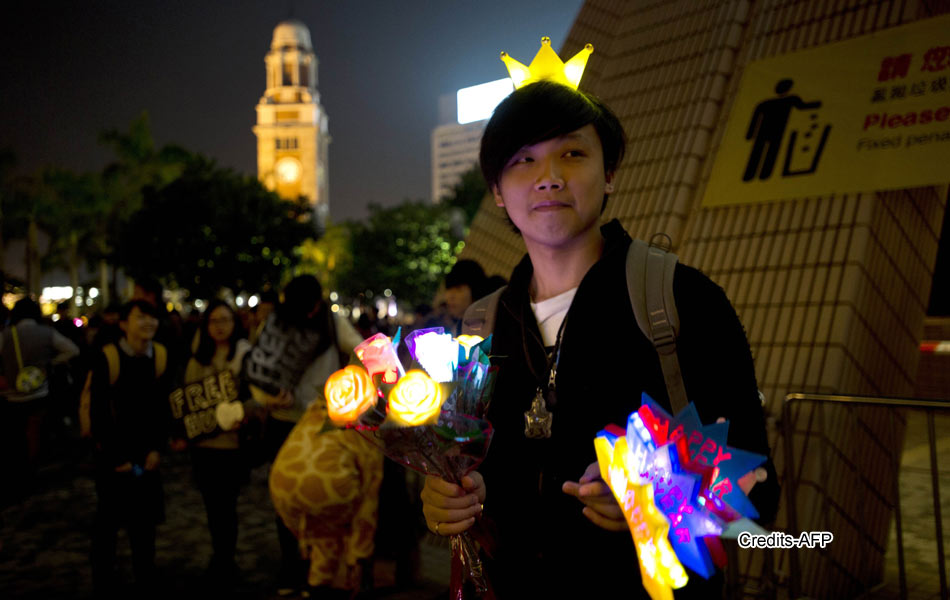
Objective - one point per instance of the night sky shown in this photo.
(71, 69)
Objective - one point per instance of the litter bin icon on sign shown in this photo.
(767, 130)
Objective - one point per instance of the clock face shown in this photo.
(288, 170)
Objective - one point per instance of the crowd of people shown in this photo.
(106, 385)
(571, 359)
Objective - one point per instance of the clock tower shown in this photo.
(291, 130)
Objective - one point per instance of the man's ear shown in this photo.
(499, 201)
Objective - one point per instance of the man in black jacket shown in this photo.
(129, 418)
(572, 360)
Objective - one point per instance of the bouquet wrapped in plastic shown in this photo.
(677, 483)
(428, 418)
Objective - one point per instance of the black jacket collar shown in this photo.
(615, 238)
(516, 300)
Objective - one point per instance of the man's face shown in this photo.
(139, 325)
(553, 191)
(457, 300)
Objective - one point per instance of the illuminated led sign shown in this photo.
(477, 102)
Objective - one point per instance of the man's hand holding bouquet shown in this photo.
(428, 418)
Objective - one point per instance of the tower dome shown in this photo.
(291, 34)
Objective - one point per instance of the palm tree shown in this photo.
(18, 218)
(72, 205)
(137, 165)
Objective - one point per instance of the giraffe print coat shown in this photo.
(325, 487)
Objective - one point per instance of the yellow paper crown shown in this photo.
(548, 65)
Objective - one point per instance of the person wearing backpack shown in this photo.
(29, 349)
(573, 359)
(129, 416)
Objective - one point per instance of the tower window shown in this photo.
(285, 143)
(304, 75)
(288, 74)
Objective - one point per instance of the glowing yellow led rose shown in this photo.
(349, 392)
(416, 399)
(468, 342)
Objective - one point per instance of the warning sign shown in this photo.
(867, 114)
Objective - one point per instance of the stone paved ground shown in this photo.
(45, 540)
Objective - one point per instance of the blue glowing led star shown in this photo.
(695, 478)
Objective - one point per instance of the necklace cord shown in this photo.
(552, 359)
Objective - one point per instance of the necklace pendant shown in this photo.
(537, 420)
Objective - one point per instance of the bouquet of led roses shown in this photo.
(680, 488)
(428, 418)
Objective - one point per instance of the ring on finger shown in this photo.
(437, 528)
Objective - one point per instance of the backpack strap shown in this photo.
(650, 285)
(479, 318)
(161, 359)
(85, 404)
(16, 347)
(112, 359)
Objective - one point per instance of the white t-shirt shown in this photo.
(550, 313)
